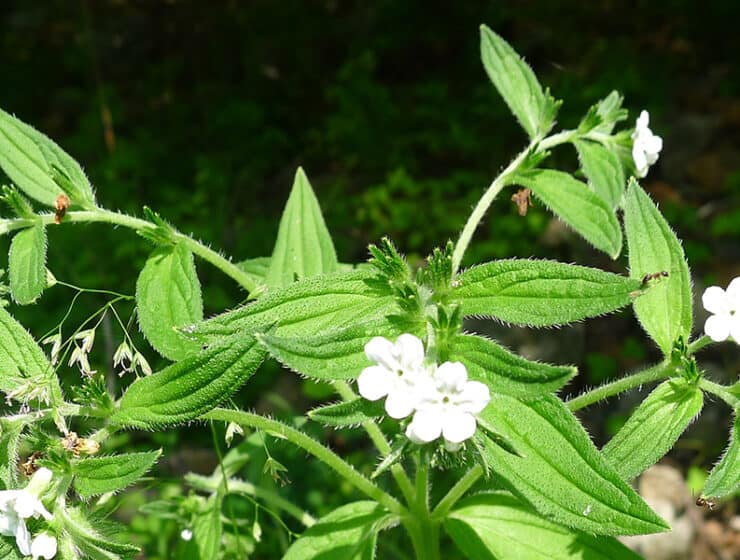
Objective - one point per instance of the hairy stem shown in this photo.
(456, 492)
(721, 391)
(300, 439)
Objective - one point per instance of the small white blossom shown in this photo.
(186, 534)
(140, 360)
(88, 338)
(79, 356)
(725, 307)
(18, 505)
(44, 546)
(646, 146)
(448, 406)
(123, 358)
(56, 345)
(399, 374)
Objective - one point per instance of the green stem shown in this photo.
(456, 492)
(298, 438)
(131, 222)
(698, 344)
(655, 373)
(422, 487)
(721, 391)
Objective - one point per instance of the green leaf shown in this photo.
(305, 308)
(559, 472)
(255, 268)
(39, 167)
(505, 372)
(534, 109)
(496, 525)
(98, 475)
(665, 311)
(347, 533)
(337, 354)
(8, 549)
(603, 170)
(27, 264)
(168, 296)
(653, 427)
(724, 480)
(89, 539)
(604, 115)
(583, 210)
(207, 529)
(304, 247)
(352, 413)
(542, 293)
(10, 433)
(190, 387)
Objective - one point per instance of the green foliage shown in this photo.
(99, 475)
(665, 311)
(654, 427)
(604, 115)
(344, 414)
(89, 540)
(27, 263)
(9, 440)
(496, 525)
(603, 170)
(20, 356)
(168, 296)
(542, 293)
(207, 530)
(724, 480)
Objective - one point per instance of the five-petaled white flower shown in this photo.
(44, 546)
(399, 374)
(725, 306)
(448, 406)
(646, 146)
(18, 505)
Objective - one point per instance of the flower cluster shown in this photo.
(725, 308)
(440, 397)
(646, 146)
(18, 505)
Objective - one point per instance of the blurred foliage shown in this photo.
(204, 110)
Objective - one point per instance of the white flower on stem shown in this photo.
(44, 546)
(725, 307)
(88, 338)
(140, 361)
(56, 345)
(399, 375)
(79, 356)
(646, 146)
(123, 358)
(448, 407)
(18, 505)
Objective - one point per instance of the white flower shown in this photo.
(725, 306)
(646, 146)
(186, 535)
(18, 505)
(448, 408)
(123, 358)
(88, 338)
(399, 374)
(44, 546)
(56, 345)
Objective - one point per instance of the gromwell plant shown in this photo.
(390, 341)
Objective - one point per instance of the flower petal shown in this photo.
(400, 404)
(23, 538)
(733, 294)
(426, 426)
(380, 350)
(451, 377)
(638, 155)
(458, 426)
(374, 382)
(474, 397)
(735, 328)
(643, 121)
(44, 545)
(717, 327)
(410, 351)
(714, 299)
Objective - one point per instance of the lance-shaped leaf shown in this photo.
(38, 166)
(27, 264)
(98, 475)
(344, 414)
(653, 427)
(20, 356)
(534, 109)
(665, 312)
(305, 308)
(603, 170)
(168, 296)
(207, 529)
(190, 387)
(504, 371)
(338, 354)
(10, 433)
(347, 533)
(559, 471)
(89, 539)
(724, 480)
(586, 212)
(542, 293)
(496, 525)
(304, 247)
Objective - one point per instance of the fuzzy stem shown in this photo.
(456, 492)
(721, 391)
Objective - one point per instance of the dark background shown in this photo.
(203, 110)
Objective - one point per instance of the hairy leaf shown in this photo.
(207, 529)
(603, 170)
(517, 84)
(98, 475)
(350, 413)
(496, 525)
(665, 312)
(89, 539)
(347, 533)
(304, 247)
(724, 480)
(559, 471)
(20, 356)
(168, 296)
(542, 293)
(10, 433)
(35, 164)
(653, 427)
(256, 268)
(505, 372)
(9, 550)
(190, 387)
(583, 210)
(27, 264)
